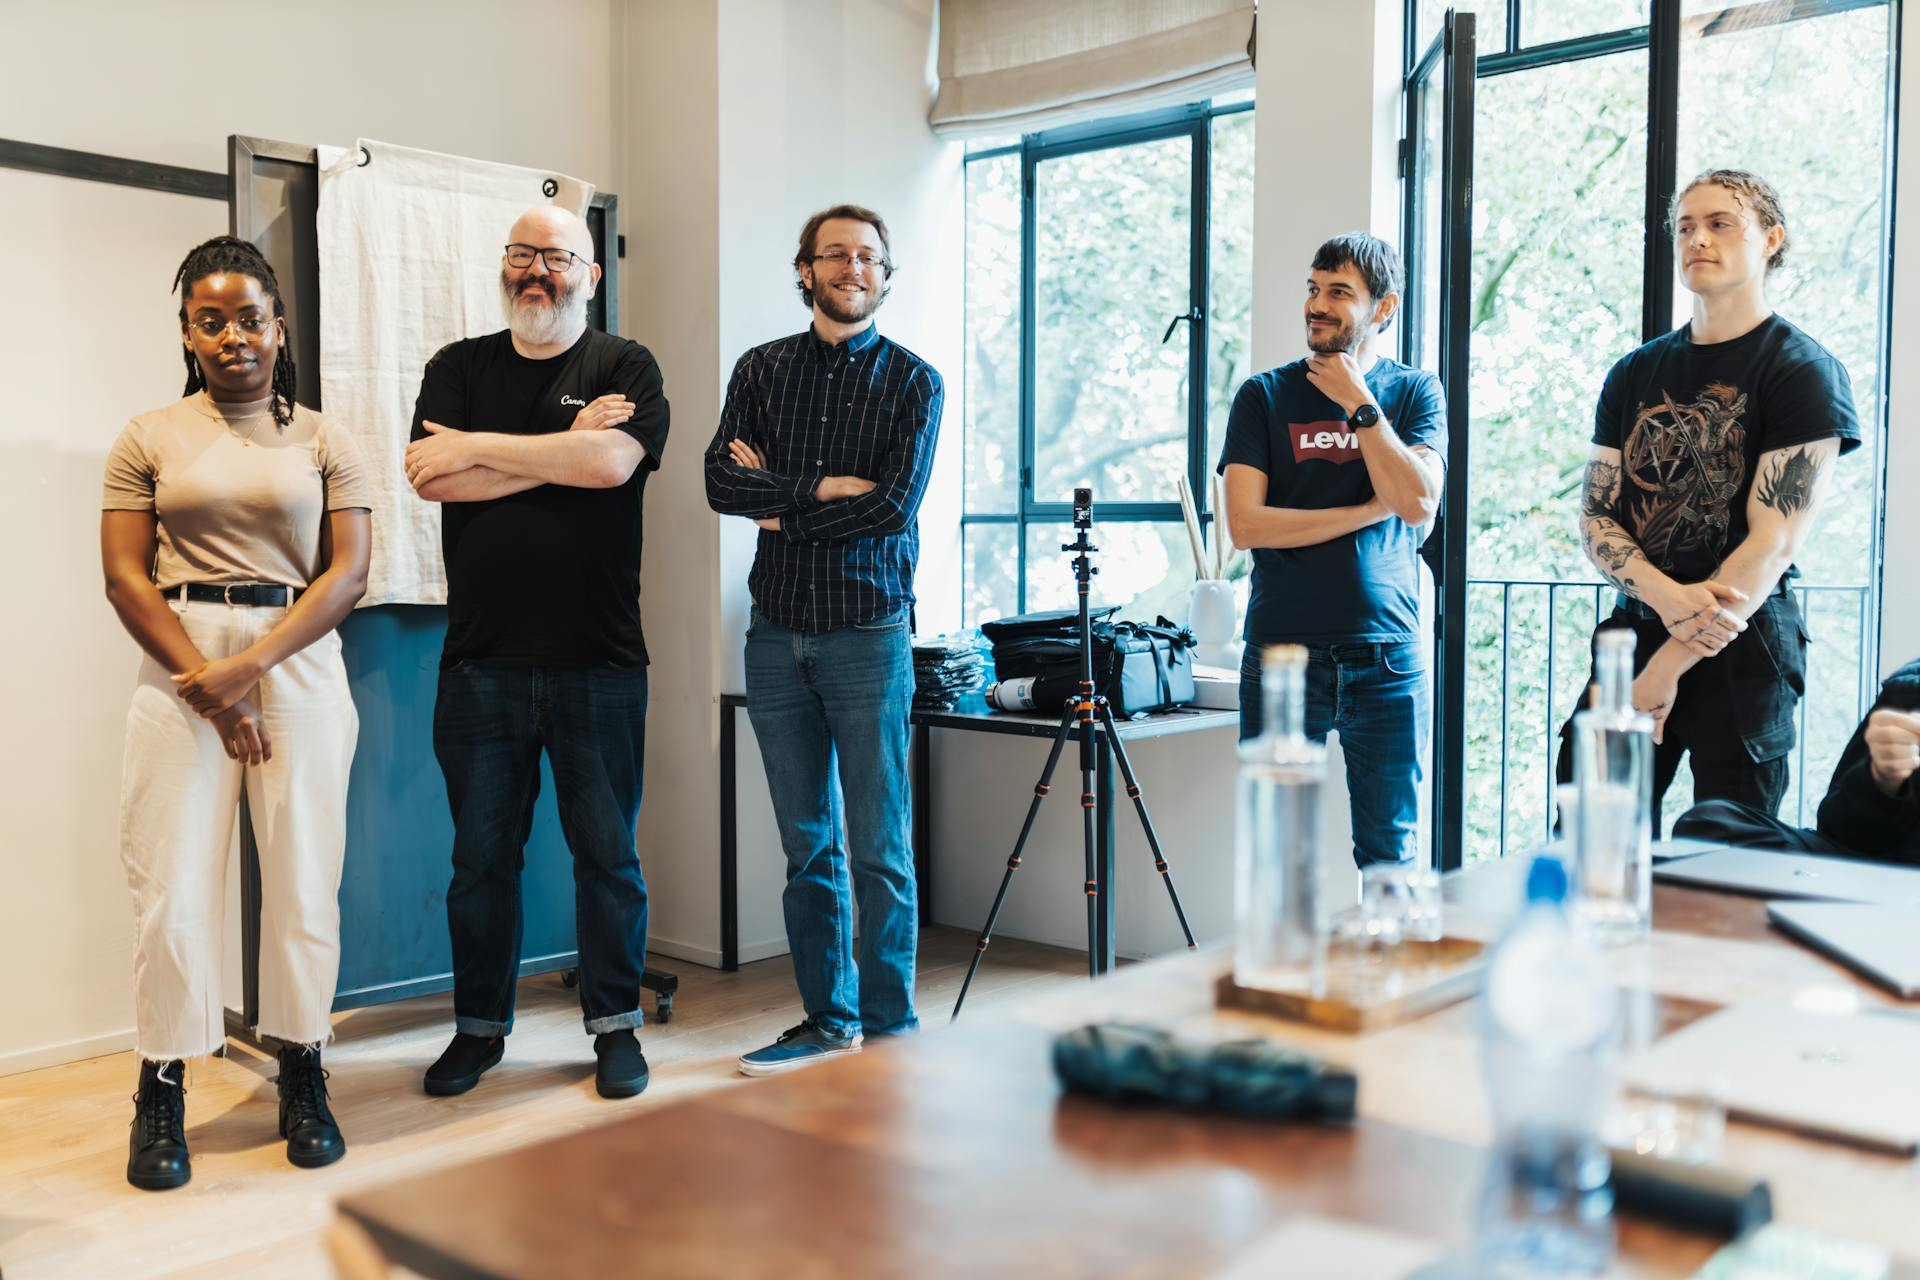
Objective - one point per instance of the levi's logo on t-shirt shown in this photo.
(1323, 441)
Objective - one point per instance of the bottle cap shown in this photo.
(1283, 655)
(1547, 880)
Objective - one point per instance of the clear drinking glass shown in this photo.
(1403, 899)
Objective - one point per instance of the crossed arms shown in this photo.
(1702, 618)
(807, 506)
(447, 465)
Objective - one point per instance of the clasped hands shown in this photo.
(1697, 617)
(829, 488)
(218, 691)
(445, 450)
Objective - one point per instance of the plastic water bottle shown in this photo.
(1613, 765)
(1279, 917)
(1548, 1026)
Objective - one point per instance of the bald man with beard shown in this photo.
(539, 439)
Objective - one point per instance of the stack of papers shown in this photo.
(945, 668)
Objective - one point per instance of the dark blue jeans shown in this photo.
(838, 703)
(1375, 696)
(490, 725)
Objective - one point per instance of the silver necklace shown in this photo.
(233, 424)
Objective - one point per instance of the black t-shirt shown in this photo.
(551, 576)
(1691, 421)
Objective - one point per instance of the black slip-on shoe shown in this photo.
(465, 1060)
(620, 1069)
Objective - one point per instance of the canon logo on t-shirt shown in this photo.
(1323, 441)
(570, 400)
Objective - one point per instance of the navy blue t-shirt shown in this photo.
(1361, 586)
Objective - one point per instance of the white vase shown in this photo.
(1210, 616)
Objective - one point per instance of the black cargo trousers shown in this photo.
(1734, 712)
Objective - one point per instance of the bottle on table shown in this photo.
(1279, 915)
(1613, 768)
(1548, 1028)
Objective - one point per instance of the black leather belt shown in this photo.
(238, 593)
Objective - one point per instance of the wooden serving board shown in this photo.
(1406, 982)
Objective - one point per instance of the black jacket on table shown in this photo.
(1856, 812)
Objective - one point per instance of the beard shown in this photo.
(834, 309)
(1345, 337)
(564, 316)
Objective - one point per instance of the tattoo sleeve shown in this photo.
(1788, 485)
(1610, 547)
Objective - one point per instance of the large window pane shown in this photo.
(1113, 254)
(1559, 182)
(992, 455)
(990, 571)
(1544, 21)
(1145, 568)
(1803, 103)
(1230, 264)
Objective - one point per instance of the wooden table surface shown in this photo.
(958, 1154)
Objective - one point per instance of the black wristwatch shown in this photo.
(1367, 415)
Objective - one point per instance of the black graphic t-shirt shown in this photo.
(1691, 421)
(551, 576)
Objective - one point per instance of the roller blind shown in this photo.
(1014, 66)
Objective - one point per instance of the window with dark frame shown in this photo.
(1107, 314)
(1589, 114)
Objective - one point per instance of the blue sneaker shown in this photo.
(797, 1047)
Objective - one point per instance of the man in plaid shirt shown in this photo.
(826, 442)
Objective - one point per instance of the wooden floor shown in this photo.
(66, 1209)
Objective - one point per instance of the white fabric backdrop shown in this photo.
(409, 245)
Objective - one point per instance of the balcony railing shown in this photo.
(1527, 638)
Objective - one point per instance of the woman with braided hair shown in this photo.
(234, 534)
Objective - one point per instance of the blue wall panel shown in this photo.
(393, 922)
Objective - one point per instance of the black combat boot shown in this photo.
(306, 1122)
(157, 1150)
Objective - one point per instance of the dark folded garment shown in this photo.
(1257, 1078)
(946, 668)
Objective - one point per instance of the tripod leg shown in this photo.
(1146, 821)
(1040, 790)
(1088, 843)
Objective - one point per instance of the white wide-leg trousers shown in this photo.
(179, 797)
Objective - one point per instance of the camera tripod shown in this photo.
(1079, 714)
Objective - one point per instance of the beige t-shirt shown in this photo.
(237, 497)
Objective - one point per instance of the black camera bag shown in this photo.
(1139, 667)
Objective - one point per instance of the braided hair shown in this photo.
(230, 255)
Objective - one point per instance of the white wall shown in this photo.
(93, 339)
(730, 144)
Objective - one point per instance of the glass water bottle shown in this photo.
(1279, 916)
(1613, 766)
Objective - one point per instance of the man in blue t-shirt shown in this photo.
(1333, 464)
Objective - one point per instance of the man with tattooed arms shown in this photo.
(1711, 449)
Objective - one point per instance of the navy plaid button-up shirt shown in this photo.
(868, 408)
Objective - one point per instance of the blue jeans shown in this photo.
(1375, 696)
(842, 699)
(490, 725)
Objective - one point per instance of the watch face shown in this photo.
(1365, 416)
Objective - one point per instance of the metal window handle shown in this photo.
(1192, 314)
